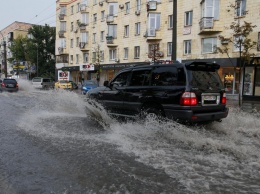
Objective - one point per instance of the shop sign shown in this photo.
(63, 75)
(87, 67)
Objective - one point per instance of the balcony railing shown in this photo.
(62, 59)
(61, 33)
(83, 7)
(110, 18)
(110, 39)
(61, 16)
(206, 23)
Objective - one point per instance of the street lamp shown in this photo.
(4, 57)
(174, 31)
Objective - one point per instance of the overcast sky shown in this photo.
(29, 11)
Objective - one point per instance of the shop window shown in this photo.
(230, 79)
(248, 81)
(257, 82)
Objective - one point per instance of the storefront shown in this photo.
(251, 81)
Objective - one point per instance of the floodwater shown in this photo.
(56, 142)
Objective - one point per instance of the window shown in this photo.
(78, 7)
(125, 53)
(94, 2)
(71, 26)
(187, 47)
(188, 18)
(71, 43)
(102, 36)
(210, 8)
(63, 26)
(126, 33)
(113, 9)
(153, 47)
(121, 79)
(169, 49)
(138, 5)
(127, 7)
(72, 10)
(112, 30)
(154, 21)
(63, 10)
(238, 41)
(137, 28)
(241, 8)
(94, 57)
(77, 42)
(84, 37)
(112, 54)
(168, 76)
(137, 52)
(170, 21)
(209, 45)
(102, 16)
(71, 58)
(101, 55)
(85, 18)
(94, 37)
(85, 57)
(94, 18)
(77, 59)
(258, 42)
(140, 78)
(62, 42)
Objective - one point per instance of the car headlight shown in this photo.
(84, 88)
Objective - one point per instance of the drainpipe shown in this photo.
(4, 58)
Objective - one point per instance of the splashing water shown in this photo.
(221, 157)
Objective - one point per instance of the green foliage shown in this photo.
(39, 49)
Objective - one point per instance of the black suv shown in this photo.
(9, 85)
(190, 92)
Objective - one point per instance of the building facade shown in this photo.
(97, 38)
(8, 34)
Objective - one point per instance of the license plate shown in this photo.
(210, 97)
(10, 85)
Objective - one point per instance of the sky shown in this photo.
(39, 12)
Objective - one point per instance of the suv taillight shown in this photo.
(224, 98)
(188, 99)
(3, 85)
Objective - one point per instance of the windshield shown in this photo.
(89, 83)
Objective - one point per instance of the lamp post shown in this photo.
(174, 31)
(4, 57)
(37, 65)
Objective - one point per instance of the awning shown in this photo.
(70, 68)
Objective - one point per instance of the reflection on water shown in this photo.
(220, 157)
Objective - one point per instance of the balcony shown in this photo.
(207, 26)
(110, 18)
(62, 51)
(83, 46)
(62, 34)
(83, 8)
(152, 34)
(62, 59)
(62, 16)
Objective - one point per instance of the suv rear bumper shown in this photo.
(190, 116)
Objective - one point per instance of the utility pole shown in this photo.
(174, 31)
(4, 57)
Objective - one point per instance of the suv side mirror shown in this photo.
(106, 83)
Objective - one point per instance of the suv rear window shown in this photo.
(204, 79)
(168, 76)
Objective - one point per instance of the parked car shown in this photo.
(88, 85)
(74, 85)
(186, 92)
(42, 83)
(9, 85)
(63, 84)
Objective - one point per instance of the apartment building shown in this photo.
(8, 34)
(200, 23)
(96, 38)
(110, 35)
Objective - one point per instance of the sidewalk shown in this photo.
(247, 106)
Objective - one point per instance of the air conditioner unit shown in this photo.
(137, 12)
(121, 6)
(76, 30)
(101, 3)
(117, 60)
(82, 45)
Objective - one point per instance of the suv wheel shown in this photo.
(152, 113)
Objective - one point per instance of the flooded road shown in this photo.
(55, 142)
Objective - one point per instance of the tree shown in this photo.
(40, 49)
(240, 39)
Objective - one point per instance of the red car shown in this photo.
(9, 85)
